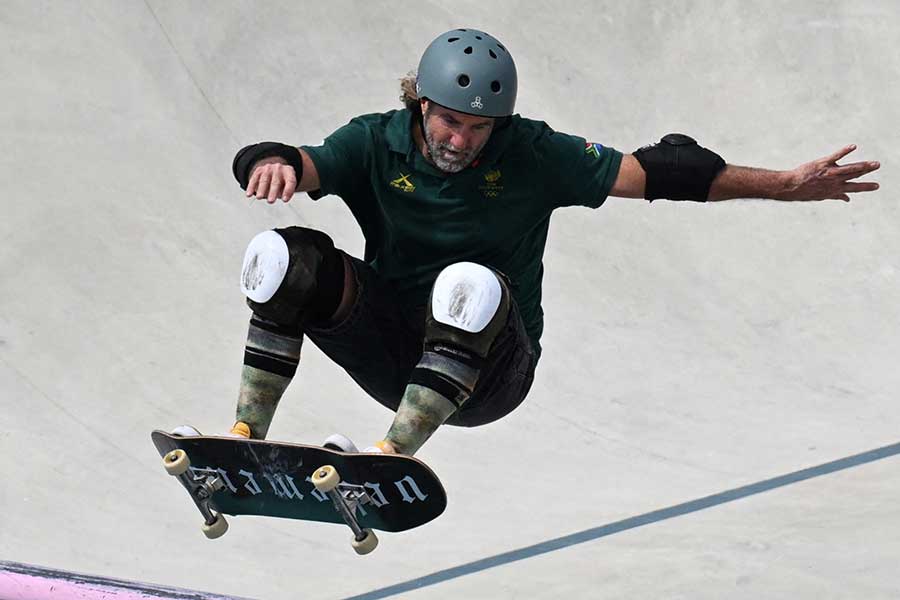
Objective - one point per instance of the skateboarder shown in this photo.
(440, 320)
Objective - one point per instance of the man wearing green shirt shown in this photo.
(441, 319)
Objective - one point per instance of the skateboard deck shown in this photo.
(280, 479)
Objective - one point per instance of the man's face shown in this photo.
(453, 139)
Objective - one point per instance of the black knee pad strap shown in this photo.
(272, 348)
(441, 384)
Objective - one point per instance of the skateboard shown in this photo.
(389, 492)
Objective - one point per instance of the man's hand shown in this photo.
(272, 178)
(824, 179)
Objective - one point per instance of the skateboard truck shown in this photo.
(347, 498)
(201, 488)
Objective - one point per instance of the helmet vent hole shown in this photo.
(491, 52)
(468, 50)
(501, 47)
(462, 29)
(477, 37)
(454, 39)
(463, 80)
(496, 87)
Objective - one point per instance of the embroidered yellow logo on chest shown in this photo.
(403, 184)
(491, 187)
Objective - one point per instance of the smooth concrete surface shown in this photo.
(689, 349)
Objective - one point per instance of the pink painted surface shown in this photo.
(14, 586)
(25, 582)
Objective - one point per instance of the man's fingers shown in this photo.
(864, 186)
(290, 186)
(841, 153)
(254, 181)
(262, 189)
(272, 181)
(275, 187)
(854, 170)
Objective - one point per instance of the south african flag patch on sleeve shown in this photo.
(593, 149)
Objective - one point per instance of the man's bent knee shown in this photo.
(468, 309)
(293, 275)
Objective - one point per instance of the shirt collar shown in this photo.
(398, 132)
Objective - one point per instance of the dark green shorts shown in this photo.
(380, 342)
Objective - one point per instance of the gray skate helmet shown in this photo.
(468, 71)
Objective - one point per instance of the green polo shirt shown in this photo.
(417, 220)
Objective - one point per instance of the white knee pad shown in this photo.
(265, 265)
(466, 296)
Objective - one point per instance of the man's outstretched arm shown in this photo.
(821, 179)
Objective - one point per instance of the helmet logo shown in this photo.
(477, 104)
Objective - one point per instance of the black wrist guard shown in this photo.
(678, 168)
(248, 156)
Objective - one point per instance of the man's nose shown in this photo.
(459, 140)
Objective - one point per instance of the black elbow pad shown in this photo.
(678, 168)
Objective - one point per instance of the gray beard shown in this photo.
(441, 161)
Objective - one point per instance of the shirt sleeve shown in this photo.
(341, 160)
(577, 172)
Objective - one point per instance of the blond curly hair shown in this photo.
(408, 95)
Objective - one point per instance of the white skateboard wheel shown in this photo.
(176, 462)
(217, 529)
(367, 544)
(325, 478)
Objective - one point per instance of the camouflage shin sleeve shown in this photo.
(438, 387)
(270, 362)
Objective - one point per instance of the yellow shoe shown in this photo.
(383, 447)
(240, 429)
